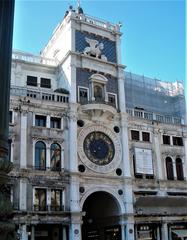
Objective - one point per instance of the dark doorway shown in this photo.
(101, 220)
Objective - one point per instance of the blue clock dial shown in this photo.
(99, 148)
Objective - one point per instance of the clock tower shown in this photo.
(88, 52)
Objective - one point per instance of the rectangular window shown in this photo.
(112, 99)
(177, 141)
(40, 200)
(135, 135)
(45, 83)
(145, 136)
(10, 116)
(56, 200)
(40, 121)
(32, 81)
(55, 122)
(166, 139)
(83, 95)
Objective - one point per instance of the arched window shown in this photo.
(169, 169)
(98, 93)
(40, 156)
(179, 169)
(55, 157)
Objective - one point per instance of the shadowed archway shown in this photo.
(102, 217)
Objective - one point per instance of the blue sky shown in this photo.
(153, 41)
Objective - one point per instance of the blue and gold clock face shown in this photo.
(99, 148)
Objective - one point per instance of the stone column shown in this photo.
(118, 48)
(125, 147)
(122, 231)
(128, 197)
(62, 159)
(75, 228)
(130, 230)
(62, 123)
(23, 195)
(32, 232)
(185, 158)
(73, 140)
(48, 157)
(33, 119)
(164, 231)
(48, 121)
(158, 233)
(159, 163)
(121, 90)
(124, 126)
(23, 140)
(74, 194)
(24, 234)
(174, 167)
(64, 233)
(48, 199)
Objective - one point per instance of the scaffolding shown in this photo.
(154, 95)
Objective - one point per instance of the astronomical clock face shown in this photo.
(99, 148)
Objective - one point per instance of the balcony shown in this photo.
(27, 57)
(154, 116)
(99, 108)
(44, 168)
(32, 93)
(48, 208)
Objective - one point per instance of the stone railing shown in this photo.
(27, 57)
(154, 116)
(101, 23)
(96, 21)
(39, 94)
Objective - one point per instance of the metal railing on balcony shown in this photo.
(39, 94)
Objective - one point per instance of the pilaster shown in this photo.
(23, 195)
(48, 121)
(185, 158)
(129, 230)
(160, 174)
(33, 232)
(48, 157)
(125, 147)
(73, 139)
(23, 140)
(23, 232)
(75, 228)
(164, 231)
(118, 48)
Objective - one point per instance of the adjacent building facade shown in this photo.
(98, 153)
